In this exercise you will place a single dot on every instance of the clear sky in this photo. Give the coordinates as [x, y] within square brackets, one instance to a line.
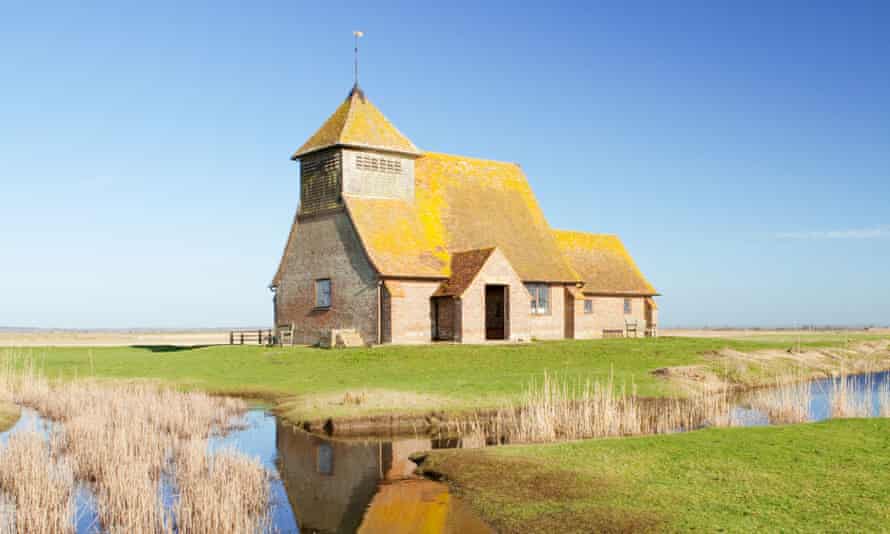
[740, 149]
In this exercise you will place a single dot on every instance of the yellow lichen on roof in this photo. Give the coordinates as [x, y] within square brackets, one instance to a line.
[602, 263]
[397, 241]
[460, 204]
[358, 122]
[484, 203]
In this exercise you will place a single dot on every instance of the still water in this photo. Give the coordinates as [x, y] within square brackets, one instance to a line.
[329, 485]
[864, 388]
[326, 485]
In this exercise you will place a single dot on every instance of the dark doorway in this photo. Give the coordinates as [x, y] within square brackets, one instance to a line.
[569, 314]
[495, 312]
[443, 319]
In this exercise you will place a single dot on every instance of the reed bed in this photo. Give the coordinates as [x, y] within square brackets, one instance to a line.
[555, 410]
[39, 488]
[132, 444]
[854, 396]
[226, 492]
[884, 399]
[786, 403]
[563, 411]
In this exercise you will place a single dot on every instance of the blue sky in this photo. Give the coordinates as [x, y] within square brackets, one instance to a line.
[740, 149]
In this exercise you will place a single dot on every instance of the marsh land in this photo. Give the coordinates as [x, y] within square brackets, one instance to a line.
[736, 479]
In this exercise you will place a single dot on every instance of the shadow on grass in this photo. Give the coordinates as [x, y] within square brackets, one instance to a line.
[168, 348]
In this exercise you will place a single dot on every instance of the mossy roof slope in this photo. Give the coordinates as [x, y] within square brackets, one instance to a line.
[358, 123]
[603, 263]
[460, 204]
[464, 268]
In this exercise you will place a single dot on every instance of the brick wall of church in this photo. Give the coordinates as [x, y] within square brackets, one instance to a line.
[549, 325]
[326, 246]
[410, 313]
[608, 314]
[496, 271]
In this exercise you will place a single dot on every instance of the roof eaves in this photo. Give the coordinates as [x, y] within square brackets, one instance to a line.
[302, 153]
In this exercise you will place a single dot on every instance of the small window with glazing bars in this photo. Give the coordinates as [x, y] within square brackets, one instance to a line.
[540, 298]
[323, 293]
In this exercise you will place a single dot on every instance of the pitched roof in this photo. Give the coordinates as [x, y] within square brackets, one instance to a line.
[464, 268]
[603, 263]
[460, 203]
[358, 123]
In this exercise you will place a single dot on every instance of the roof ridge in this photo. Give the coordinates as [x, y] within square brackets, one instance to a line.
[581, 232]
[461, 156]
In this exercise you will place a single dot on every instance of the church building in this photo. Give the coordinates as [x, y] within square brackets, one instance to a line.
[392, 244]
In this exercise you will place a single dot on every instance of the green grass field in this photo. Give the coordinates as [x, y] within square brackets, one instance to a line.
[425, 377]
[823, 477]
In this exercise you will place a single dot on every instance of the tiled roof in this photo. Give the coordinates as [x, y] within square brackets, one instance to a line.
[603, 264]
[464, 268]
[358, 123]
[460, 204]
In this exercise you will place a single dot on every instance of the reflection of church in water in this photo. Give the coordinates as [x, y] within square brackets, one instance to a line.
[344, 486]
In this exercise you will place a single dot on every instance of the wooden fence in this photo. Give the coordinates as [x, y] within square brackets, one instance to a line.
[251, 337]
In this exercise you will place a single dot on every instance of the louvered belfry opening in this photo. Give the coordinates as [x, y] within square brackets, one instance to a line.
[320, 179]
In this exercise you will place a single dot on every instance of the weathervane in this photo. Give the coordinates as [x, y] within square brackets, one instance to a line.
[357, 34]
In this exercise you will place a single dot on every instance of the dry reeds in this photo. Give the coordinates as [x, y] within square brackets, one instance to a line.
[39, 487]
[787, 403]
[131, 442]
[560, 411]
[225, 492]
[859, 396]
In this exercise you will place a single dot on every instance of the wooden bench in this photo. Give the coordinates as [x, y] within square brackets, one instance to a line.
[613, 332]
[631, 327]
[285, 334]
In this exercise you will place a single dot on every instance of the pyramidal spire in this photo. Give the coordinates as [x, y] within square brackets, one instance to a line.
[358, 123]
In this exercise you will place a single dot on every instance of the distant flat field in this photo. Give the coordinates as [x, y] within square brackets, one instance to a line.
[777, 336]
[111, 338]
[190, 338]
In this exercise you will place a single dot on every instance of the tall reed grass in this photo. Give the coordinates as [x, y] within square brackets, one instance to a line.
[225, 492]
[555, 410]
[132, 444]
[855, 396]
[786, 403]
[39, 487]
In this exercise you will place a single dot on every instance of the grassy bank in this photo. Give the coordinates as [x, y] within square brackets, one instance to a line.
[403, 379]
[813, 477]
[9, 414]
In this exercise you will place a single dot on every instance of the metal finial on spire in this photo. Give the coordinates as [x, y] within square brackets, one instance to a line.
[357, 34]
